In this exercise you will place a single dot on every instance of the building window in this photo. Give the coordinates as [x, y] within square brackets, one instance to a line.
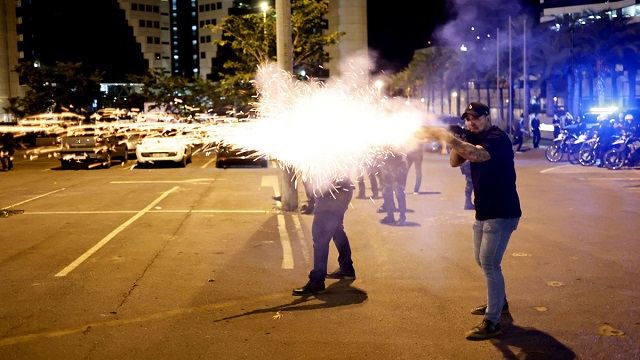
[158, 56]
[149, 23]
[208, 38]
[134, 7]
[141, 23]
[203, 55]
[219, 5]
[156, 9]
[156, 40]
[156, 24]
[149, 40]
[149, 8]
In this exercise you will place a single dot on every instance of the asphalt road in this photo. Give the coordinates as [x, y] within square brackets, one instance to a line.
[199, 263]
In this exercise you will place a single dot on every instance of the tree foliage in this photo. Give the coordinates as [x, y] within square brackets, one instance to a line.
[560, 55]
[252, 40]
[162, 90]
[66, 86]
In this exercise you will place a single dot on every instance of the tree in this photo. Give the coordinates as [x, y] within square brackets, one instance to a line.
[601, 41]
[550, 60]
[162, 90]
[252, 40]
[66, 86]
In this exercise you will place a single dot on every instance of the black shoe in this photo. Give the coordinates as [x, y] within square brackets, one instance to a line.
[388, 220]
[305, 209]
[381, 210]
[310, 288]
[485, 330]
[277, 198]
[342, 274]
[482, 309]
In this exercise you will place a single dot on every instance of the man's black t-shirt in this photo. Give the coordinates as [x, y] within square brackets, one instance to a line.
[494, 180]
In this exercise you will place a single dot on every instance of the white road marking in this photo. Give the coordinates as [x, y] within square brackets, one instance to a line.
[207, 163]
[151, 211]
[34, 198]
[165, 181]
[301, 238]
[555, 168]
[272, 180]
[111, 235]
[287, 254]
[609, 179]
[285, 242]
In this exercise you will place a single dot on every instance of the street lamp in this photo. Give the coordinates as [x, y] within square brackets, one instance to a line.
[379, 84]
[265, 6]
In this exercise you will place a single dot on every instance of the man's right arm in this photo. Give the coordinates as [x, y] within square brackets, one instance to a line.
[463, 149]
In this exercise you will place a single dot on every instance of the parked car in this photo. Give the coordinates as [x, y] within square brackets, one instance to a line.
[89, 144]
[167, 146]
[229, 156]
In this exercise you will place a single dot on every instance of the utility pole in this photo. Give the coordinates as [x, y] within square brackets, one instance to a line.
[525, 96]
[498, 102]
[284, 56]
[510, 114]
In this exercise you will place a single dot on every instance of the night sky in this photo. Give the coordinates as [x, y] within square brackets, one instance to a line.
[395, 32]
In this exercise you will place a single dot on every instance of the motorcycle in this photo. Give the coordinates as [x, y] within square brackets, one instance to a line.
[624, 153]
[591, 150]
[565, 143]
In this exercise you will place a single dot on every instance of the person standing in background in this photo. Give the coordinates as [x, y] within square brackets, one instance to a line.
[465, 169]
[535, 131]
[414, 157]
[7, 151]
[332, 202]
[393, 173]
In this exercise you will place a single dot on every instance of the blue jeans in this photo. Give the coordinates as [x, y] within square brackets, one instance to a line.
[328, 224]
[416, 160]
[490, 239]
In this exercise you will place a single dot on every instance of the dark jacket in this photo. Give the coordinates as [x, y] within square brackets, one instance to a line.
[8, 144]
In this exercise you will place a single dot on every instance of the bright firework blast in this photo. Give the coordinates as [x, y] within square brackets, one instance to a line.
[326, 130]
[323, 131]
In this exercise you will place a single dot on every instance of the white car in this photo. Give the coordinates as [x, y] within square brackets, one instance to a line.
[168, 146]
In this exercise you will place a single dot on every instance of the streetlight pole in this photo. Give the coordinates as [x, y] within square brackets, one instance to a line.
[265, 6]
[284, 54]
